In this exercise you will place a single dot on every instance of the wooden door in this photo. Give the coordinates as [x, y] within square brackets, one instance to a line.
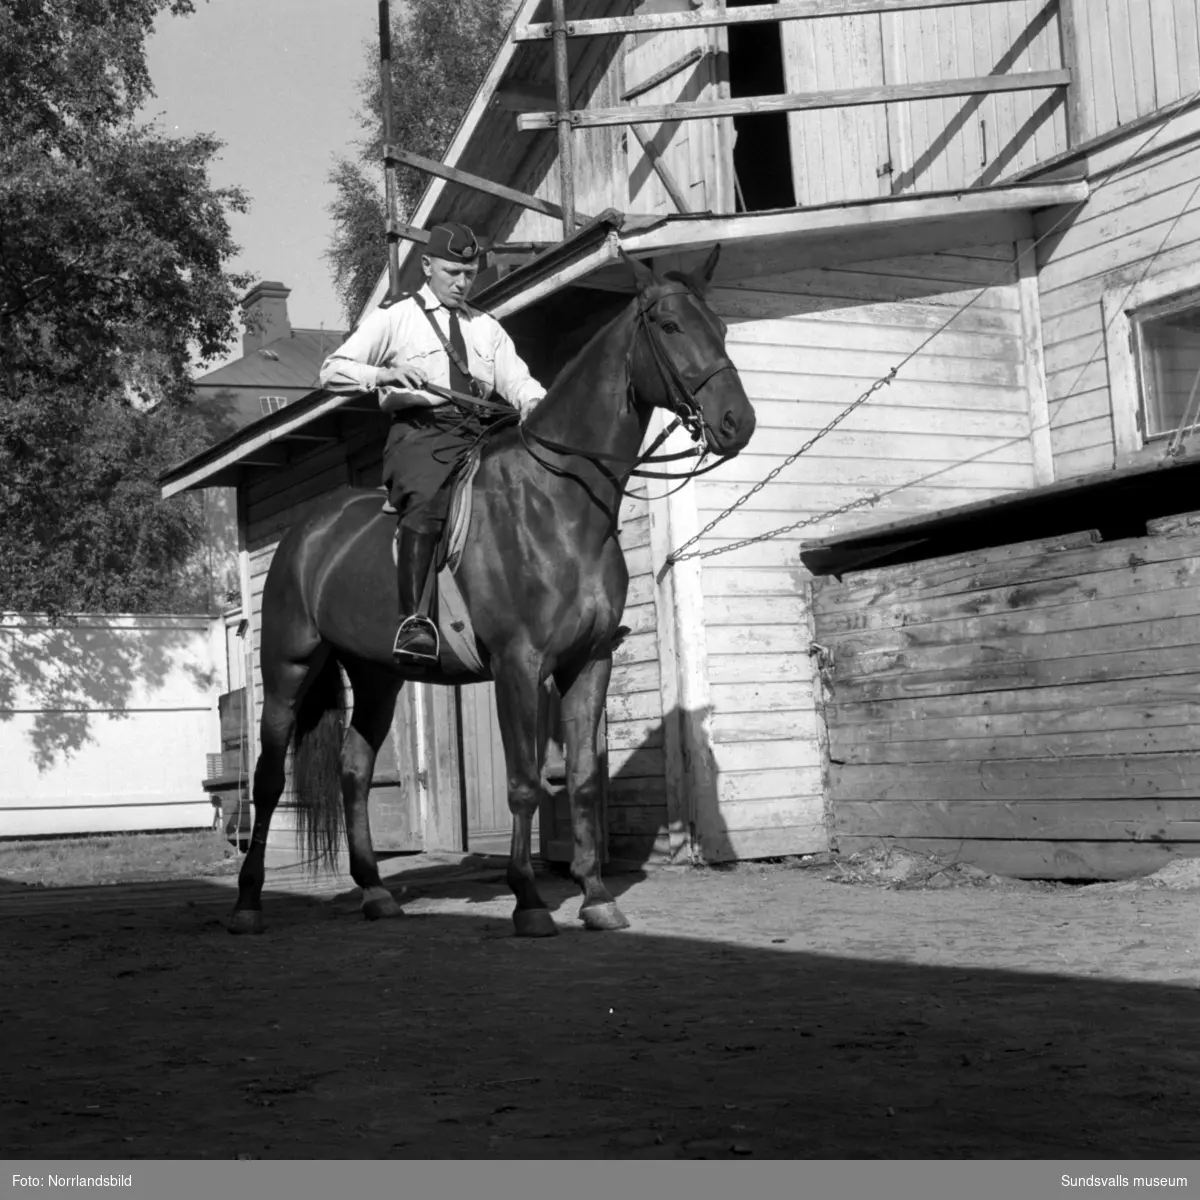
[487, 819]
[837, 154]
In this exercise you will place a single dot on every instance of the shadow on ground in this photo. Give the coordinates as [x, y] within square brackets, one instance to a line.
[755, 1015]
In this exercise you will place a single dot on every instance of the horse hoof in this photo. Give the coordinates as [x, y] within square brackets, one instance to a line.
[381, 908]
[534, 922]
[603, 916]
[246, 920]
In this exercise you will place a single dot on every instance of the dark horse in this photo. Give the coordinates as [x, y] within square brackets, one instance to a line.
[544, 580]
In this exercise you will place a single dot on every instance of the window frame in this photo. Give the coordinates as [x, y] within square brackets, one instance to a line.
[1125, 310]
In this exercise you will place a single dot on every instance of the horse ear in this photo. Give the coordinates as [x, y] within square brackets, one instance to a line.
[642, 274]
[699, 280]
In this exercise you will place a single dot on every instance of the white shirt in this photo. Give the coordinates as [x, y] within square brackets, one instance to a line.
[401, 333]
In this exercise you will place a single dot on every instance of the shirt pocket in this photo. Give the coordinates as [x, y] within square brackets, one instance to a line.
[424, 356]
[483, 366]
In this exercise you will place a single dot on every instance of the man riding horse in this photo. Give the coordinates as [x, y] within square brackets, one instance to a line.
[430, 336]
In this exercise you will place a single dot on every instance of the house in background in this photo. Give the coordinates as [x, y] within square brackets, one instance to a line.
[279, 364]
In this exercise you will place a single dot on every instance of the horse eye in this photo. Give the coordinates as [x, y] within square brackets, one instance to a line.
[670, 327]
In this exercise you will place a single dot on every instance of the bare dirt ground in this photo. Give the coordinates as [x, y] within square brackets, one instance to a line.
[875, 1008]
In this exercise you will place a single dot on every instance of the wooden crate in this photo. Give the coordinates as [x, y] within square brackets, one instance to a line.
[1033, 709]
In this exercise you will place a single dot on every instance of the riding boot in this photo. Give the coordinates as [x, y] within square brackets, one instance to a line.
[417, 637]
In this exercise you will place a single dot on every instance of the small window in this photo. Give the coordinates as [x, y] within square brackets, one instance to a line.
[270, 404]
[1167, 346]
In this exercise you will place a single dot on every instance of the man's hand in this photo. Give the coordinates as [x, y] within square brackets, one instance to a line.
[405, 375]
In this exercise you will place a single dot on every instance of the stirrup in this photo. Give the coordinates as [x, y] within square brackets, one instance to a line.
[413, 626]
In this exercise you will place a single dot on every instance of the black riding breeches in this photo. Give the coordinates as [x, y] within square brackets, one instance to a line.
[424, 447]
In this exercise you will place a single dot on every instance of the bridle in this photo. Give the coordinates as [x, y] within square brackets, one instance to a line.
[681, 388]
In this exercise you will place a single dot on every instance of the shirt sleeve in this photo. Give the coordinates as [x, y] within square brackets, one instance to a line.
[513, 380]
[354, 365]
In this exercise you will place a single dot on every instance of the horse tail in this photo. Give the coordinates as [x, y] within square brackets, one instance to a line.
[316, 766]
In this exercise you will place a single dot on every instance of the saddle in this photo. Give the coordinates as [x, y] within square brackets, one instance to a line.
[458, 648]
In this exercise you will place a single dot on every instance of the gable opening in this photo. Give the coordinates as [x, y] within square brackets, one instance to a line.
[762, 157]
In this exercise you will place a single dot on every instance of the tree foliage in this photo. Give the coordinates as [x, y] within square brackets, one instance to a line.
[113, 245]
[440, 54]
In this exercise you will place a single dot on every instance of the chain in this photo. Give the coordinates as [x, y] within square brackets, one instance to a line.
[680, 554]
[861, 502]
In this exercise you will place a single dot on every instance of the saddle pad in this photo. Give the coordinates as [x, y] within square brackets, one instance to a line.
[454, 625]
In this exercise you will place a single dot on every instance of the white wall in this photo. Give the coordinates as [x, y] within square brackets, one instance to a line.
[105, 722]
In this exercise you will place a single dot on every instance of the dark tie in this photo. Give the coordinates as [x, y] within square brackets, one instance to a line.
[460, 381]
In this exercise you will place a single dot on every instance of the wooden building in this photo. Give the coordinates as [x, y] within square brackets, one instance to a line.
[943, 205]
[1019, 687]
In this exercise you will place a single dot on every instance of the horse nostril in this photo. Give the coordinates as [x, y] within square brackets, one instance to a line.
[729, 423]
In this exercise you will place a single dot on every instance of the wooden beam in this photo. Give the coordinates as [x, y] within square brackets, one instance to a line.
[662, 170]
[432, 167]
[391, 200]
[410, 233]
[786, 10]
[562, 118]
[521, 96]
[268, 456]
[1068, 34]
[695, 55]
[655, 114]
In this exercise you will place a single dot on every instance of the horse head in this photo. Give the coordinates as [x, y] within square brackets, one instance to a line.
[678, 359]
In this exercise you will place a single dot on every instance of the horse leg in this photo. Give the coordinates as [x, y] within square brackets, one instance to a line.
[582, 705]
[278, 721]
[519, 697]
[374, 707]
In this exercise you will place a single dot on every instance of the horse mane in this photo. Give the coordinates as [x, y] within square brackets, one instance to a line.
[574, 364]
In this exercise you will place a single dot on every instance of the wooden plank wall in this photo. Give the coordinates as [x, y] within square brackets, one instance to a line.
[1133, 57]
[954, 427]
[687, 148]
[1138, 223]
[1033, 708]
[636, 807]
[927, 145]
[968, 140]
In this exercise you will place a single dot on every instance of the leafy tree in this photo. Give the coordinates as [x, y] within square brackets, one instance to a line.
[440, 54]
[113, 244]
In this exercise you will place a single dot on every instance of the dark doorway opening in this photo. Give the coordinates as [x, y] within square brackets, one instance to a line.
[762, 157]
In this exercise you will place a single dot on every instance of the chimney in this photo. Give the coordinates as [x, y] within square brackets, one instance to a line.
[264, 313]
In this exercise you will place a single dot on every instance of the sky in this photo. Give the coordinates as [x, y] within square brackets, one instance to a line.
[277, 82]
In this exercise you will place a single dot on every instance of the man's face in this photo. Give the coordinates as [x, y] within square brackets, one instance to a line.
[450, 281]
